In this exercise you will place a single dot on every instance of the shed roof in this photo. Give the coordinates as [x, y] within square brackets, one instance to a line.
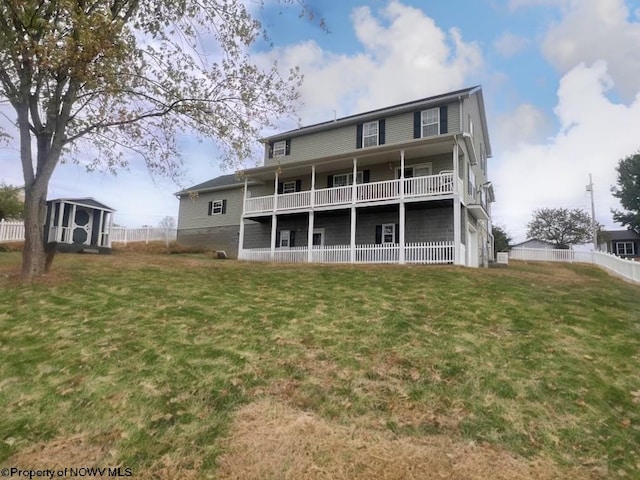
[85, 202]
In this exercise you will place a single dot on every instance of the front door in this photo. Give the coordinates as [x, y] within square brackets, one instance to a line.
[82, 226]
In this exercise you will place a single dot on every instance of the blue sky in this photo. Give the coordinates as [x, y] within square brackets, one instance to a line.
[561, 81]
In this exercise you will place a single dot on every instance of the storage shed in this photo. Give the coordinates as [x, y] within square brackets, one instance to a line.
[78, 225]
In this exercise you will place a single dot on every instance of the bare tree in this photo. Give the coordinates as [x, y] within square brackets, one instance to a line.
[123, 77]
[561, 226]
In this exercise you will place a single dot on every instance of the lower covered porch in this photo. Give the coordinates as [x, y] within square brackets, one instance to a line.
[423, 234]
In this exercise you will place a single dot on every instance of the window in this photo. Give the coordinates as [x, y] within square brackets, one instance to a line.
[625, 248]
[472, 184]
[421, 170]
[289, 187]
[285, 239]
[344, 179]
[280, 148]
[217, 207]
[431, 122]
[370, 134]
[318, 237]
[388, 233]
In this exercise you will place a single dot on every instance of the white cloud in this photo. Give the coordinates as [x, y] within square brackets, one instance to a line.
[510, 44]
[594, 134]
[404, 56]
[594, 30]
[525, 124]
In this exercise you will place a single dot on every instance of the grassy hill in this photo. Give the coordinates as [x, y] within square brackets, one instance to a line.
[181, 366]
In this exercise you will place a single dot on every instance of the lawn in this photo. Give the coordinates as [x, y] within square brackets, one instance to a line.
[182, 366]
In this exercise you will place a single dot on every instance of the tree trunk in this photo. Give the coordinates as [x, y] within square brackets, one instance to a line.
[34, 256]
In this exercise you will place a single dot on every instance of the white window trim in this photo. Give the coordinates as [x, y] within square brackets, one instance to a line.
[216, 205]
[376, 136]
[626, 250]
[287, 186]
[393, 234]
[280, 148]
[423, 121]
[428, 165]
[282, 237]
[349, 178]
[321, 232]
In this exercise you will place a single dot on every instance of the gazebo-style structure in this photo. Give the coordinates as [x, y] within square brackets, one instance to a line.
[78, 225]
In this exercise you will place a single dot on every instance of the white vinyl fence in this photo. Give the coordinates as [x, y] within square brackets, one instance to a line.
[627, 269]
[14, 232]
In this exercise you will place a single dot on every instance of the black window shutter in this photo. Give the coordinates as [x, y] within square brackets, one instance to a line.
[224, 206]
[280, 188]
[365, 176]
[359, 136]
[417, 124]
[444, 120]
[298, 185]
[329, 181]
[271, 150]
[397, 233]
[378, 234]
[288, 147]
[210, 208]
[292, 238]
[278, 238]
[381, 132]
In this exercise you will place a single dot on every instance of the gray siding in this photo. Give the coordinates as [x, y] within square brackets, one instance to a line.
[193, 212]
[342, 140]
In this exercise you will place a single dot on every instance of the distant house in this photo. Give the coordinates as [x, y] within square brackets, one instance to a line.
[78, 225]
[623, 243]
[403, 184]
[534, 243]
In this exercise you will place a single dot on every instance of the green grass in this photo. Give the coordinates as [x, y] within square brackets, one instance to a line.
[150, 356]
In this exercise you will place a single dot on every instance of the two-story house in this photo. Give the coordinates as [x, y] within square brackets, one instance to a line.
[402, 184]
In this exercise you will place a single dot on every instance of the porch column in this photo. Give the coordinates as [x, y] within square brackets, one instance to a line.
[354, 186]
[401, 253]
[60, 215]
[110, 228]
[274, 217]
[457, 237]
[241, 233]
[310, 238]
[72, 222]
[100, 228]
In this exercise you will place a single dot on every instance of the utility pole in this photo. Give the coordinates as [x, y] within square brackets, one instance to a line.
[594, 225]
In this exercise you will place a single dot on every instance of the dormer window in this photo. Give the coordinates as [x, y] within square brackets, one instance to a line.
[280, 148]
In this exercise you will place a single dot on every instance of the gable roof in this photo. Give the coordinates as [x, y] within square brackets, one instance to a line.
[373, 114]
[85, 202]
[219, 183]
[533, 240]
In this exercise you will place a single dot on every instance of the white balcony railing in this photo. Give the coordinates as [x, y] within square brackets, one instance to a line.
[425, 186]
[421, 252]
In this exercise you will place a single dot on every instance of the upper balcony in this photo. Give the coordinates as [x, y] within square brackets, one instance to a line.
[423, 187]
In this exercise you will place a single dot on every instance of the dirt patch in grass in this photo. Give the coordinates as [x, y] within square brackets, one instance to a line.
[74, 451]
[272, 440]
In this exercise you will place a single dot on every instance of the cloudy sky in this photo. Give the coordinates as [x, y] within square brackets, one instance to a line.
[561, 81]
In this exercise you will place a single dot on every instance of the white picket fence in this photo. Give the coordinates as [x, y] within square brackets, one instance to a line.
[627, 269]
[425, 252]
[13, 231]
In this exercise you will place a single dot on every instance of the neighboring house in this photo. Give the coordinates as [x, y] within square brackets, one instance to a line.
[78, 225]
[403, 184]
[623, 243]
[534, 243]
